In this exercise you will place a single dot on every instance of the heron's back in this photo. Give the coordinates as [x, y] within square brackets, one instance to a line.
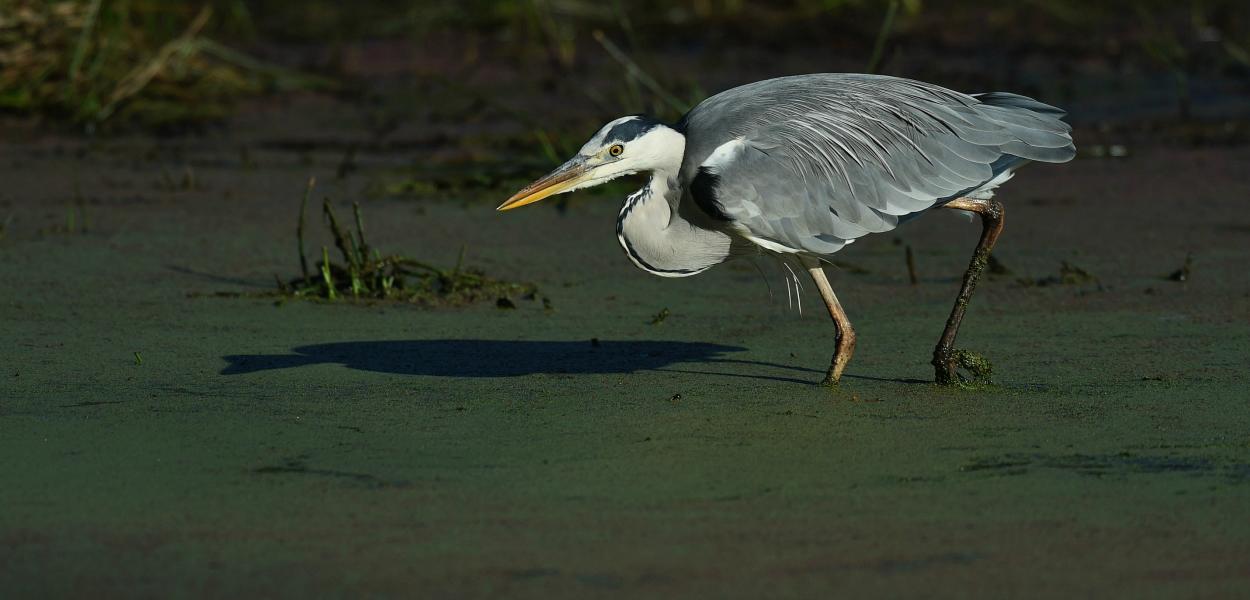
[811, 162]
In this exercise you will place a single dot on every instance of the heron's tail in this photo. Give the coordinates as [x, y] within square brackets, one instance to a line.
[1007, 99]
[1040, 132]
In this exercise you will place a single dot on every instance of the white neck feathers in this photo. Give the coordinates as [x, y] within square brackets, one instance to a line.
[657, 240]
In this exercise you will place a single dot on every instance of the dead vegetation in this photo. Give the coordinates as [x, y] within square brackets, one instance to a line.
[1183, 274]
[365, 274]
[97, 61]
[1069, 274]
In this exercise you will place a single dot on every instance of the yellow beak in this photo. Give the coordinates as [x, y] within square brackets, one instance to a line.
[560, 180]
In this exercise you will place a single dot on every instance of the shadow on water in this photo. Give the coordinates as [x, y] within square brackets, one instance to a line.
[503, 358]
[215, 278]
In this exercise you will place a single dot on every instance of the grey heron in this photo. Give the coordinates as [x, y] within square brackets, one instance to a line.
[799, 167]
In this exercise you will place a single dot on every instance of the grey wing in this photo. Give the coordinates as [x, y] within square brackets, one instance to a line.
[812, 162]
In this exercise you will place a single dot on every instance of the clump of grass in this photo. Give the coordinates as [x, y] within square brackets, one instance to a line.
[365, 274]
[977, 365]
[77, 221]
[1069, 274]
[175, 182]
[91, 61]
[1182, 274]
[996, 267]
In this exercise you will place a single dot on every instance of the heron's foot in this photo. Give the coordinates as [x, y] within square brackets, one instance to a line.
[946, 364]
[944, 367]
[838, 363]
[831, 380]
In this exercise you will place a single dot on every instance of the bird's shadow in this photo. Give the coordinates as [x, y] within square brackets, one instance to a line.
[505, 358]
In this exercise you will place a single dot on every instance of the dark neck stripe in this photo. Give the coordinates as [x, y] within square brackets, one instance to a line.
[633, 201]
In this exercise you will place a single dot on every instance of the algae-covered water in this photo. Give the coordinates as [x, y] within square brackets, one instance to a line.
[156, 437]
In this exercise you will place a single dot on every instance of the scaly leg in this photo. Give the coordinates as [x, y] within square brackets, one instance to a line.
[991, 213]
[845, 340]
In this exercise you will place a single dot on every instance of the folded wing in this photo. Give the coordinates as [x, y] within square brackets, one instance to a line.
[809, 163]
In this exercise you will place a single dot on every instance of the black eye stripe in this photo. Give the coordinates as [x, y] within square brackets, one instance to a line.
[632, 129]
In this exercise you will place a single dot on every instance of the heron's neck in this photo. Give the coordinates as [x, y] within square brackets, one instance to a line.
[658, 240]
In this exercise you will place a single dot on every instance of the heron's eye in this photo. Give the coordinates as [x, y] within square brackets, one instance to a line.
[616, 149]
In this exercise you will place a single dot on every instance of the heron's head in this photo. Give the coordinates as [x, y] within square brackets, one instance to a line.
[625, 146]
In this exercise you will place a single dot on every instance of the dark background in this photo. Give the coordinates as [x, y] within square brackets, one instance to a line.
[1110, 62]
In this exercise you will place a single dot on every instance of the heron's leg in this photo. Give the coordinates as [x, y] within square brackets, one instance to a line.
[991, 212]
[845, 340]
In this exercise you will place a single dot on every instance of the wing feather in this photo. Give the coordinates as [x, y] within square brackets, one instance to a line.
[829, 158]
